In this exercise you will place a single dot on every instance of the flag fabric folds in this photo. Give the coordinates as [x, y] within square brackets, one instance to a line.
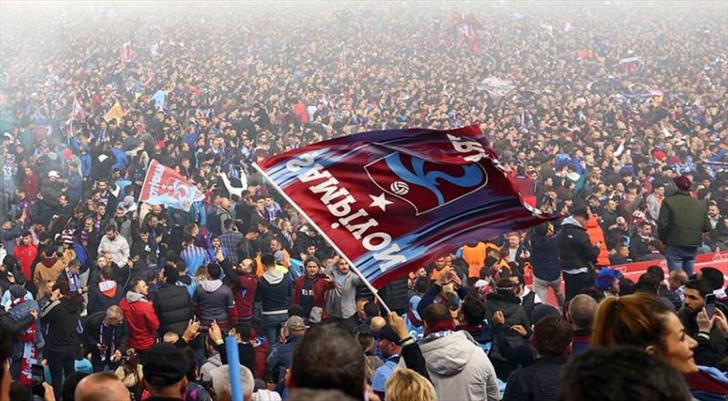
[126, 52]
[115, 112]
[393, 201]
[495, 86]
[78, 113]
[165, 186]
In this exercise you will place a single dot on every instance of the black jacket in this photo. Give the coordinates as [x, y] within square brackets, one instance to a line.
[514, 314]
[62, 325]
[173, 306]
[537, 382]
[395, 296]
[280, 359]
[544, 256]
[92, 333]
[99, 301]
[575, 249]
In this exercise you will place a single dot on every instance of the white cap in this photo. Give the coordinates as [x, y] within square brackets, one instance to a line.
[53, 174]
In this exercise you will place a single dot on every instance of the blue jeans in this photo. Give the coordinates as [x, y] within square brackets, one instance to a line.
[271, 325]
[681, 257]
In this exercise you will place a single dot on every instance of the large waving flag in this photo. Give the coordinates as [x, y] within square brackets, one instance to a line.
[116, 112]
[165, 186]
[393, 201]
[495, 86]
[126, 52]
[78, 113]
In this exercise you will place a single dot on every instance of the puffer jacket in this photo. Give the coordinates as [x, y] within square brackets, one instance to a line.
[459, 369]
[173, 306]
[119, 248]
[214, 301]
[575, 249]
[683, 220]
[141, 321]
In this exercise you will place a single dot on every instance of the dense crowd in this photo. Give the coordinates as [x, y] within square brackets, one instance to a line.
[613, 117]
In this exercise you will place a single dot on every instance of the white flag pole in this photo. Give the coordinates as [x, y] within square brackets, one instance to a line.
[323, 234]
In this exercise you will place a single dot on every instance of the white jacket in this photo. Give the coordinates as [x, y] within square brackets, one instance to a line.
[459, 369]
[118, 247]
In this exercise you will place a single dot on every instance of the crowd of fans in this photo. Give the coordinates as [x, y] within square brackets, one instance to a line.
[615, 118]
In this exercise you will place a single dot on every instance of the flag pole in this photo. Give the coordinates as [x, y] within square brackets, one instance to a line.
[326, 237]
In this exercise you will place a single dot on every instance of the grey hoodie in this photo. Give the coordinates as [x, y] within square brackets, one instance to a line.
[213, 301]
[459, 369]
[132, 297]
[273, 276]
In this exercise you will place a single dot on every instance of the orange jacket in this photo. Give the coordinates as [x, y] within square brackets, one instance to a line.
[595, 233]
[475, 257]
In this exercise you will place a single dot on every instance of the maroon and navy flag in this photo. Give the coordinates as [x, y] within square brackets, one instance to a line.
[126, 52]
[393, 201]
[166, 186]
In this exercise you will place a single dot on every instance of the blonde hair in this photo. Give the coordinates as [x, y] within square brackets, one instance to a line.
[406, 385]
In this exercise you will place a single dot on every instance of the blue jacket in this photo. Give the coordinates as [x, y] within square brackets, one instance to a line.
[280, 359]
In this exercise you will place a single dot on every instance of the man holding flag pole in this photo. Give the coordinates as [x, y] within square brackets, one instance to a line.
[392, 201]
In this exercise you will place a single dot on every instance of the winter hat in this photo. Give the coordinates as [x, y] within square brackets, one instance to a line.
[606, 277]
[67, 237]
[166, 365]
[683, 182]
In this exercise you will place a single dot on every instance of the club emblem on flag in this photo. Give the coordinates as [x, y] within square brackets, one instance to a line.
[423, 184]
[392, 201]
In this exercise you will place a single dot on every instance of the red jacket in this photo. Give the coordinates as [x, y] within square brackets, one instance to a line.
[141, 320]
[320, 286]
[26, 255]
[244, 287]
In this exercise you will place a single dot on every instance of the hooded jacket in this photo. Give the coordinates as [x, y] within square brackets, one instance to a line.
[173, 306]
[103, 295]
[214, 301]
[575, 249]
[47, 269]
[459, 369]
[141, 320]
[274, 292]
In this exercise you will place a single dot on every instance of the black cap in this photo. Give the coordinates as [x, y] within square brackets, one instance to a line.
[166, 365]
[388, 333]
